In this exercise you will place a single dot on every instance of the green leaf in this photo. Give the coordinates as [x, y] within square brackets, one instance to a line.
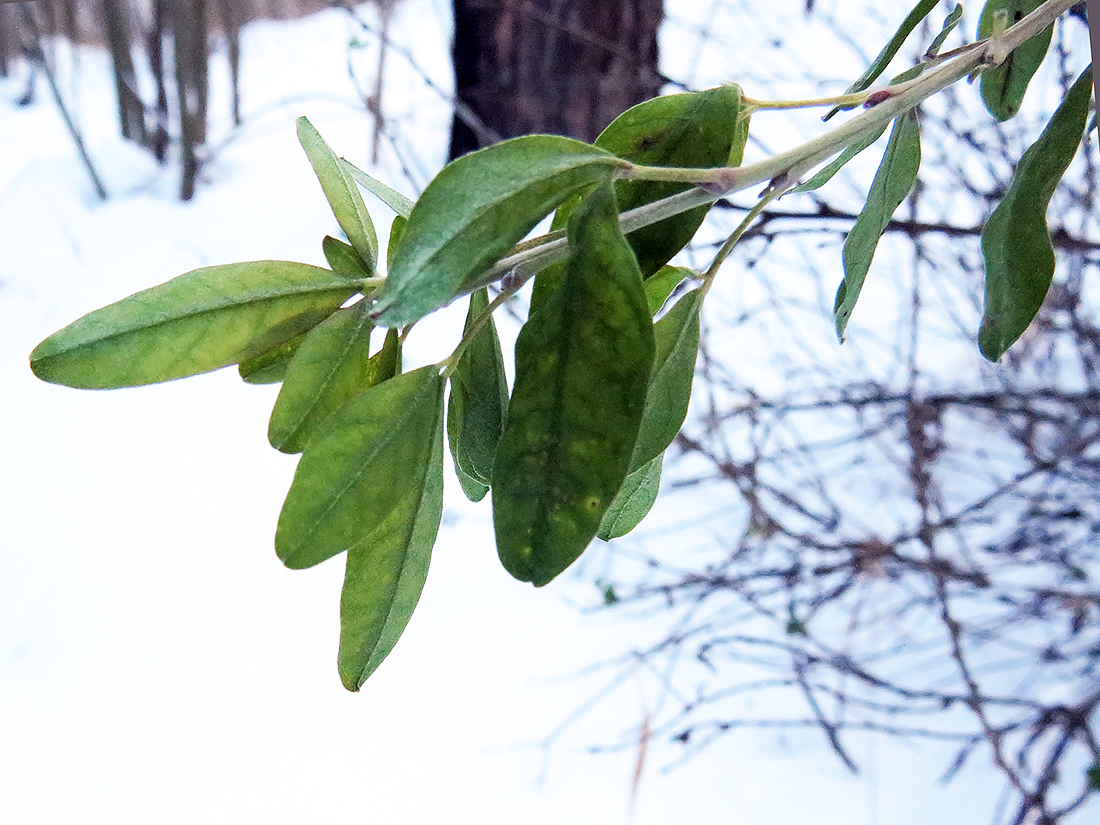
[388, 195]
[1016, 245]
[332, 365]
[893, 180]
[950, 22]
[633, 501]
[475, 211]
[676, 337]
[397, 229]
[386, 572]
[341, 193]
[582, 367]
[826, 174]
[200, 321]
[478, 402]
[343, 258]
[694, 130]
[1093, 776]
[361, 469]
[1003, 87]
[270, 367]
[663, 283]
[889, 51]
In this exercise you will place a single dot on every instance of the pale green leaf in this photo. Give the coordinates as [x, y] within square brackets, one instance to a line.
[365, 464]
[386, 572]
[474, 212]
[387, 194]
[200, 321]
[633, 502]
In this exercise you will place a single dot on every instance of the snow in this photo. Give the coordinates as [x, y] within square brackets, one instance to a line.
[157, 662]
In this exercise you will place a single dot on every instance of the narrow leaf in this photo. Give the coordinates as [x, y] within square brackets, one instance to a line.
[582, 367]
[341, 193]
[343, 258]
[200, 321]
[270, 367]
[397, 229]
[361, 469]
[889, 51]
[332, 365]
[663, 283]
[1003, 87]
[826, 174]
[387, 194]
[386, 572]
[478, 402]
[474, 212]
[893, 180]
[676, 338]
[1016, 245]
[634, 501]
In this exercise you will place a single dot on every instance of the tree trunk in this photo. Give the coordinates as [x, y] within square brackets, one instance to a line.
[565, 67]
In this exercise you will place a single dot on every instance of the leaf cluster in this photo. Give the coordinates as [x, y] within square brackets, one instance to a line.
[603, 365]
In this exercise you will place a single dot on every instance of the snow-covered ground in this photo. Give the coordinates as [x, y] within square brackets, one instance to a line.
[157, 662]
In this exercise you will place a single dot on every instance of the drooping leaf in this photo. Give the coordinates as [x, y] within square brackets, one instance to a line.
[477, 404]
[582, 367]
[386, 572]
[633, 502]
[343, 258]
[893, 180]
[475, 210]
[270, 367]
[200, 321]
[889, 51]
[676, 337]
[342, 194]
[332, 365]
[1003, 87]
[1016, 245]
[361, 469]
[387, 194]
[663, 283]
[694, 130]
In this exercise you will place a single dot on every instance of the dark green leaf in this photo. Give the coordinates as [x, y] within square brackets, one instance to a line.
[388, 195]
[1093, 775]
[663, 283]
[478, 402]
[362, 469]
[342, 194]
[270, 367]
[1016, 245]
[331, 366]
[200, 321]
[893, 180]
[949, 24]
[582, 367]
[633, 501]
[386, 572]
[677, 343]
[879, 64]
[343, 258]
[694, 130]
[1003, 87]
[475, 211]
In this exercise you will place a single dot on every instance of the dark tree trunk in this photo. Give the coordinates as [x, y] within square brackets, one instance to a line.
[188, 22]
[131, 111]
[564, 67]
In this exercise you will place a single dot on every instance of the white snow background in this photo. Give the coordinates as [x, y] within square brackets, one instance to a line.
[158, 664]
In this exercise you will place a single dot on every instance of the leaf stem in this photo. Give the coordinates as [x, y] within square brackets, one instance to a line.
[450, 364]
